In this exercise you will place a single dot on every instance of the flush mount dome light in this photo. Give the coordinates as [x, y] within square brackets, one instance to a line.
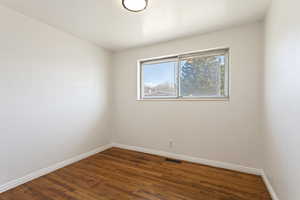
[135, 5]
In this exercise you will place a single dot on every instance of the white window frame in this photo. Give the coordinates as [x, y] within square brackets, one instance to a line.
[178, 57]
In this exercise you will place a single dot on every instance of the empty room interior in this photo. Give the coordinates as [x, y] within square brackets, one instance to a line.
[149, 100]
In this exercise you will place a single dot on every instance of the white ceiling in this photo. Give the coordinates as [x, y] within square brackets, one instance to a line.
[106, 23]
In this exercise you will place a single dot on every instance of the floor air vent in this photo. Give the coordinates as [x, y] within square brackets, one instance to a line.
[173, 160]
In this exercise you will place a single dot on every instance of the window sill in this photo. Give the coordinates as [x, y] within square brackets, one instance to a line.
[225, 99]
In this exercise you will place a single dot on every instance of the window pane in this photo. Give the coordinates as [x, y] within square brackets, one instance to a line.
[159, 79]
[203, 77]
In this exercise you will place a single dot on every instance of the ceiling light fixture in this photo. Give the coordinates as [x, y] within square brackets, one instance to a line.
[135, 5]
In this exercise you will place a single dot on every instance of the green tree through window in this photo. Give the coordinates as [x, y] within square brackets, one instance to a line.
[202, 76]
[195, 75]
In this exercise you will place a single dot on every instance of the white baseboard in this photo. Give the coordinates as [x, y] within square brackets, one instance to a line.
[224, 165]
[269, 186]
[213, 163]
[44, 171]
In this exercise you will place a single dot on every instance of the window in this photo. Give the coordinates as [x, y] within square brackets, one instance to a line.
[201, 75]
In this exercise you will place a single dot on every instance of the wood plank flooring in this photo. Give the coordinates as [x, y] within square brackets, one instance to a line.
[118, 174]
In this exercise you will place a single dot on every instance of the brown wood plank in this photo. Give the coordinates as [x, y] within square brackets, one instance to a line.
[118, 174]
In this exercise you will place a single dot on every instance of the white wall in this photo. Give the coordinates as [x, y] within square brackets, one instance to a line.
[282, 98]
[54, 96]
[55, 99]
[222, 131]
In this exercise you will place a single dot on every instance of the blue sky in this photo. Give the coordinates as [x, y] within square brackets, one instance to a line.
[155, 74]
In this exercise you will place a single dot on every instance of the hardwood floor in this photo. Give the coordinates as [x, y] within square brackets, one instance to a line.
[118, 174]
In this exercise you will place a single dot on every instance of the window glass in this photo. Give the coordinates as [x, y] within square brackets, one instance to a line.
[159, 79]
[195, 75]
[202, 76]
